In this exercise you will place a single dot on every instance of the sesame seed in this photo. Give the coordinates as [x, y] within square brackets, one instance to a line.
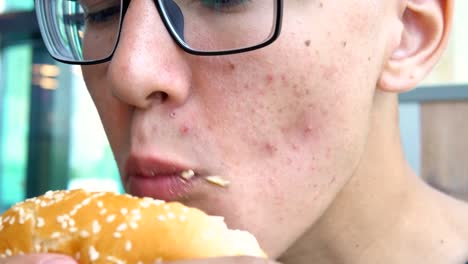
[124, 211]
[122, 227]
[37, 248]
[128, 245]
[99, 194]
[166, 207]
[133, 225]
[161, 218]
[100, 204]
[55, 235]
[145, 204]
[96, 227]
[115, 260]
[171, 215]
[8, 252]
[103, 211]
[147, 199]
[117, 235]
[93, 254]
[158, 202]
[110, 218]
[73, 229]
[86, 201]
[182, 218]
[135, 212]
[84, 234]
[12, 220]
[185, 210]
[136, 217]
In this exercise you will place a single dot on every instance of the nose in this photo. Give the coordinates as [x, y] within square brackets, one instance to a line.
[148, 67]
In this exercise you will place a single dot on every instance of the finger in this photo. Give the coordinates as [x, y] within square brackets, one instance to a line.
[226, 260]
[38, 259]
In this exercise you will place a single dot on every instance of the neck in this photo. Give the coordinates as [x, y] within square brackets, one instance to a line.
[385, 213]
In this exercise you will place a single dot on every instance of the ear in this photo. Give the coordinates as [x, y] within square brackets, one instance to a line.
[423, 37]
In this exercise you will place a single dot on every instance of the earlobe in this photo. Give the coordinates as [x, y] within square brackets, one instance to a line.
[422, 40]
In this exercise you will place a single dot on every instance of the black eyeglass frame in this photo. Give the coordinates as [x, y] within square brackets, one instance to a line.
[172, 32]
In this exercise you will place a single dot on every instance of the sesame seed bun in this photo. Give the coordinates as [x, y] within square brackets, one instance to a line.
[104, 227]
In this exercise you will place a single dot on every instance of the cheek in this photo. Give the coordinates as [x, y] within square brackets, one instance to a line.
[303, 111]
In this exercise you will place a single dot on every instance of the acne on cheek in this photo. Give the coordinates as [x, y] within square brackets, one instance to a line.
[269, 79]
[184, 129]
[270, 149]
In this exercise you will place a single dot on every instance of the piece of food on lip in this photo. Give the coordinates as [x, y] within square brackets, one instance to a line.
[104, 227]
[218, 180]
[188, 174]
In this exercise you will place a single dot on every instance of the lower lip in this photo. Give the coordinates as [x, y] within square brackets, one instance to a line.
[162, 187]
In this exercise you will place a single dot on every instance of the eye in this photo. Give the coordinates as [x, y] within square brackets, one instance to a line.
[224, 5]
[103, 15]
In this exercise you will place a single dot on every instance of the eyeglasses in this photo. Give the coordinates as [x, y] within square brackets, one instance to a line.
[88, 31]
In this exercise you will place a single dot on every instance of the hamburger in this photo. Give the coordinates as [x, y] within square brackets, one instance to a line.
[105, 227]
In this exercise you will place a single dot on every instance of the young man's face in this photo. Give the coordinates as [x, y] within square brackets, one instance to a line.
[286, 125]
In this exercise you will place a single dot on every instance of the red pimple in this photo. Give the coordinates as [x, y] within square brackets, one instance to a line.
[308, 129]
[184, 130]
[269, 78]
[270, 148]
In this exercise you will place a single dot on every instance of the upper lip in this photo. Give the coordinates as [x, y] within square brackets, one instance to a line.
[146, 166]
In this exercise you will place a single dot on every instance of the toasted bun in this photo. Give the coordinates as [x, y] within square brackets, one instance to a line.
[104, 227]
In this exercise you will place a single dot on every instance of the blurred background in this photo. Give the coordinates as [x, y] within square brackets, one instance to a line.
[51, 136]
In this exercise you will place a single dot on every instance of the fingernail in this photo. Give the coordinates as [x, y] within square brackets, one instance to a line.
[57, 260]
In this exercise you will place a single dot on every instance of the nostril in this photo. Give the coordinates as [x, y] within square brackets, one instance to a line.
[159, 97]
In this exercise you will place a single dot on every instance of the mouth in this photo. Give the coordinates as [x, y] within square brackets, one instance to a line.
[159, 179]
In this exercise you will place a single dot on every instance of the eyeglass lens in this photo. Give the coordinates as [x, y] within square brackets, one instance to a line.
[88, 30]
